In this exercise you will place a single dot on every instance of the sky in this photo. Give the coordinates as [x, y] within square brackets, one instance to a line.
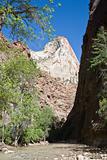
[70, 20]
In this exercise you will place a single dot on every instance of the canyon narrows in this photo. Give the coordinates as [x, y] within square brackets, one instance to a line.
[83, 122]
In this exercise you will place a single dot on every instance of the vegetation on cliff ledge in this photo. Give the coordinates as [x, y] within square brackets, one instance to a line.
[98, 63]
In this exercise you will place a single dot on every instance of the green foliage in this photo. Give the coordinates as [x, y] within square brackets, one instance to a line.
[32, 134]
[15, 79]
[20, 69]
[7, 134]
[40, 126]
[7, 51]
[99, 63]
[46, 118]
[4, 46]
[23, 18]
[19, 100]
[99, 50]
[103, 109]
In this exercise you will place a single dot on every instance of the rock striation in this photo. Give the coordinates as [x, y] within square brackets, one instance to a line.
[83, 118]
[59, 60]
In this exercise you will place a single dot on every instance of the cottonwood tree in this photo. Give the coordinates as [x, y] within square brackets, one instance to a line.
[24, 17]
[19, 100]
[15, 88]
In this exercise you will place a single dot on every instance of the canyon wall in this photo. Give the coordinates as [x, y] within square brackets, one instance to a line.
[83, 119]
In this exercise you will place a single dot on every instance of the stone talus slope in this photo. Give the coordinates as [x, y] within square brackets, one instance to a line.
[83, 116]
[59, 60]
[56, 94]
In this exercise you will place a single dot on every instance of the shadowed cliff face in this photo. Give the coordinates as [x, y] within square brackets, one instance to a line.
[83, 115]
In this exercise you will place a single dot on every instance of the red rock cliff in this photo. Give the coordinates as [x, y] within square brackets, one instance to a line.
[79, 123]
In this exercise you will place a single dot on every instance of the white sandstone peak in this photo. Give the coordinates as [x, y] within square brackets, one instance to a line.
[58, 59]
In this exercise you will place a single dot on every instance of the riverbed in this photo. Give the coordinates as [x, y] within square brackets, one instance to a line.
[55, 152]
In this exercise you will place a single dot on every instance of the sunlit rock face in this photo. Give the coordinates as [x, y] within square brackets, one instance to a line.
[59, 60]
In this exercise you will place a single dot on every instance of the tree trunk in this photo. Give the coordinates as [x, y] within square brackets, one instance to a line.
[16, 141]
[3, 125]
[2, 20]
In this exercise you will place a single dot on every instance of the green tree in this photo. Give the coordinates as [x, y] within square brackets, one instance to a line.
[23, 17]
[17, 88]
[98, 63]
[19, 99]
[99, 50]
[40, 126]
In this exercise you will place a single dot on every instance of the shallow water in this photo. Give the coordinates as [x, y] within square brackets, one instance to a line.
[55, 152]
